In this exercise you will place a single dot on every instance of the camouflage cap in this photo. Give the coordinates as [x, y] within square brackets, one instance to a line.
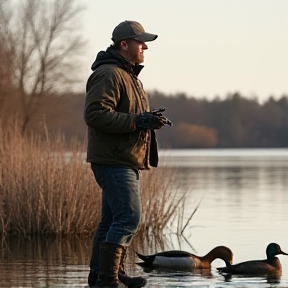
[131, 29]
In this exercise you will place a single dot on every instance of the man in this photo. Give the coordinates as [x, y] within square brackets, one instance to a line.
[121, 143]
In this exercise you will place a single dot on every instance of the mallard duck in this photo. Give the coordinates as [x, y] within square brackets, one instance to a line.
[271, 265]
[185, 261]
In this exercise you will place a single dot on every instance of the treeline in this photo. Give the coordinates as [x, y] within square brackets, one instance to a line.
[232, 122]
[235, 121]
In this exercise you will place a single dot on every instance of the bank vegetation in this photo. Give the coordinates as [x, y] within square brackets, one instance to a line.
[47, 188]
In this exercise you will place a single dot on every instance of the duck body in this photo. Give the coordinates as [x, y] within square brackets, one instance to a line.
[254, 267]
[185, 261]
[268, 266]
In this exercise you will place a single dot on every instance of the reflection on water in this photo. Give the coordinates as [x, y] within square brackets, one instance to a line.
[244, 205]
[43, 262]
[224, 157]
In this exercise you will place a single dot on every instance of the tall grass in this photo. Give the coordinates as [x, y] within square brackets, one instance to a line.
[161, 204]
[40, 191]
[44, 193]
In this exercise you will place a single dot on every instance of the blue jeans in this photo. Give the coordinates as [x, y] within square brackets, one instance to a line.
[121, 206]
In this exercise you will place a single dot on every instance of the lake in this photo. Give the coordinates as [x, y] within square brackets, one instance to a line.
[243, 204]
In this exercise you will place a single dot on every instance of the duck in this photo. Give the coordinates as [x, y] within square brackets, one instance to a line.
[268, 266]
[184, 261]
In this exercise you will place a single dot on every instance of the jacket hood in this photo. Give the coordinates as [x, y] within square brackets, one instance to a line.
[103, 57]
[110, 56]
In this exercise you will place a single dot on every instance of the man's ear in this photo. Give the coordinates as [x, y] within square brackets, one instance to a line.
[124, 45]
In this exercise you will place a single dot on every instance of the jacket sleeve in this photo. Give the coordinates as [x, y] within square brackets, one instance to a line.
[102, 98]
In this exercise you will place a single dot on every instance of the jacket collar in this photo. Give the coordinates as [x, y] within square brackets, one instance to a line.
[132, 68]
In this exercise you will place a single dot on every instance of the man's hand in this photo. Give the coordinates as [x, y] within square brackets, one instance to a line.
[148, 120]
[158, 112]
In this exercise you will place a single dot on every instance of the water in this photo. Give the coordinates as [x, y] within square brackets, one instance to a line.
[243, 196]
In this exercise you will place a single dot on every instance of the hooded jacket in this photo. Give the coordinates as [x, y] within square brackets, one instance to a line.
[114, 96]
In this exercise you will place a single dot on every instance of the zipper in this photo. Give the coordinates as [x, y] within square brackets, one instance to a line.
[139, 89]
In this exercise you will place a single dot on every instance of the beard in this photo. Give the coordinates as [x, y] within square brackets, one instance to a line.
[137, 58]
[140, 59]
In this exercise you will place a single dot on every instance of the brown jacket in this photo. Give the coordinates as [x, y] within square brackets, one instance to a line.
[114, 95]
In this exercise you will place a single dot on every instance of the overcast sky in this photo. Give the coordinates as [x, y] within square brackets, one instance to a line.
[204, 47]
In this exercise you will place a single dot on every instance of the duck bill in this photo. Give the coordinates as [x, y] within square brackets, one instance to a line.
[283, 253]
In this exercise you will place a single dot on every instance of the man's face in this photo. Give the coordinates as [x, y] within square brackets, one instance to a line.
[135, 51]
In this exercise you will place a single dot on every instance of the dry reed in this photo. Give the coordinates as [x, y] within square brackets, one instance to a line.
[46, 191]
[40, 191]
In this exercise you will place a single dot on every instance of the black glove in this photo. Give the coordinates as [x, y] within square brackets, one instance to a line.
[148, 120]
[158, 112]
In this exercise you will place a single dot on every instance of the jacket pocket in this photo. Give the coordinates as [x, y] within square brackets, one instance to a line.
[133, 147]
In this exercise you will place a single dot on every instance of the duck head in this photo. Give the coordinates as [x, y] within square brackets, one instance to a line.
[221, 252]
[274, 249]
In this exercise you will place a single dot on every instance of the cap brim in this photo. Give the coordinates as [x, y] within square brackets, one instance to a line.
[146, 37]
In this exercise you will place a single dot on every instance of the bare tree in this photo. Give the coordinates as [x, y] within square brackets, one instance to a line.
[40, 43]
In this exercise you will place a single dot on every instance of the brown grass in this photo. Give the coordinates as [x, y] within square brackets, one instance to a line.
[40, 191]
[45, 191]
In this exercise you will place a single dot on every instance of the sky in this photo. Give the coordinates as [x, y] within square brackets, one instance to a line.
[205, 48]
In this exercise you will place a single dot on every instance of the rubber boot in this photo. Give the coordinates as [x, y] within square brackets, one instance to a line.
[92, 278]
[94, 262]
[109, 262]
[130, 282]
